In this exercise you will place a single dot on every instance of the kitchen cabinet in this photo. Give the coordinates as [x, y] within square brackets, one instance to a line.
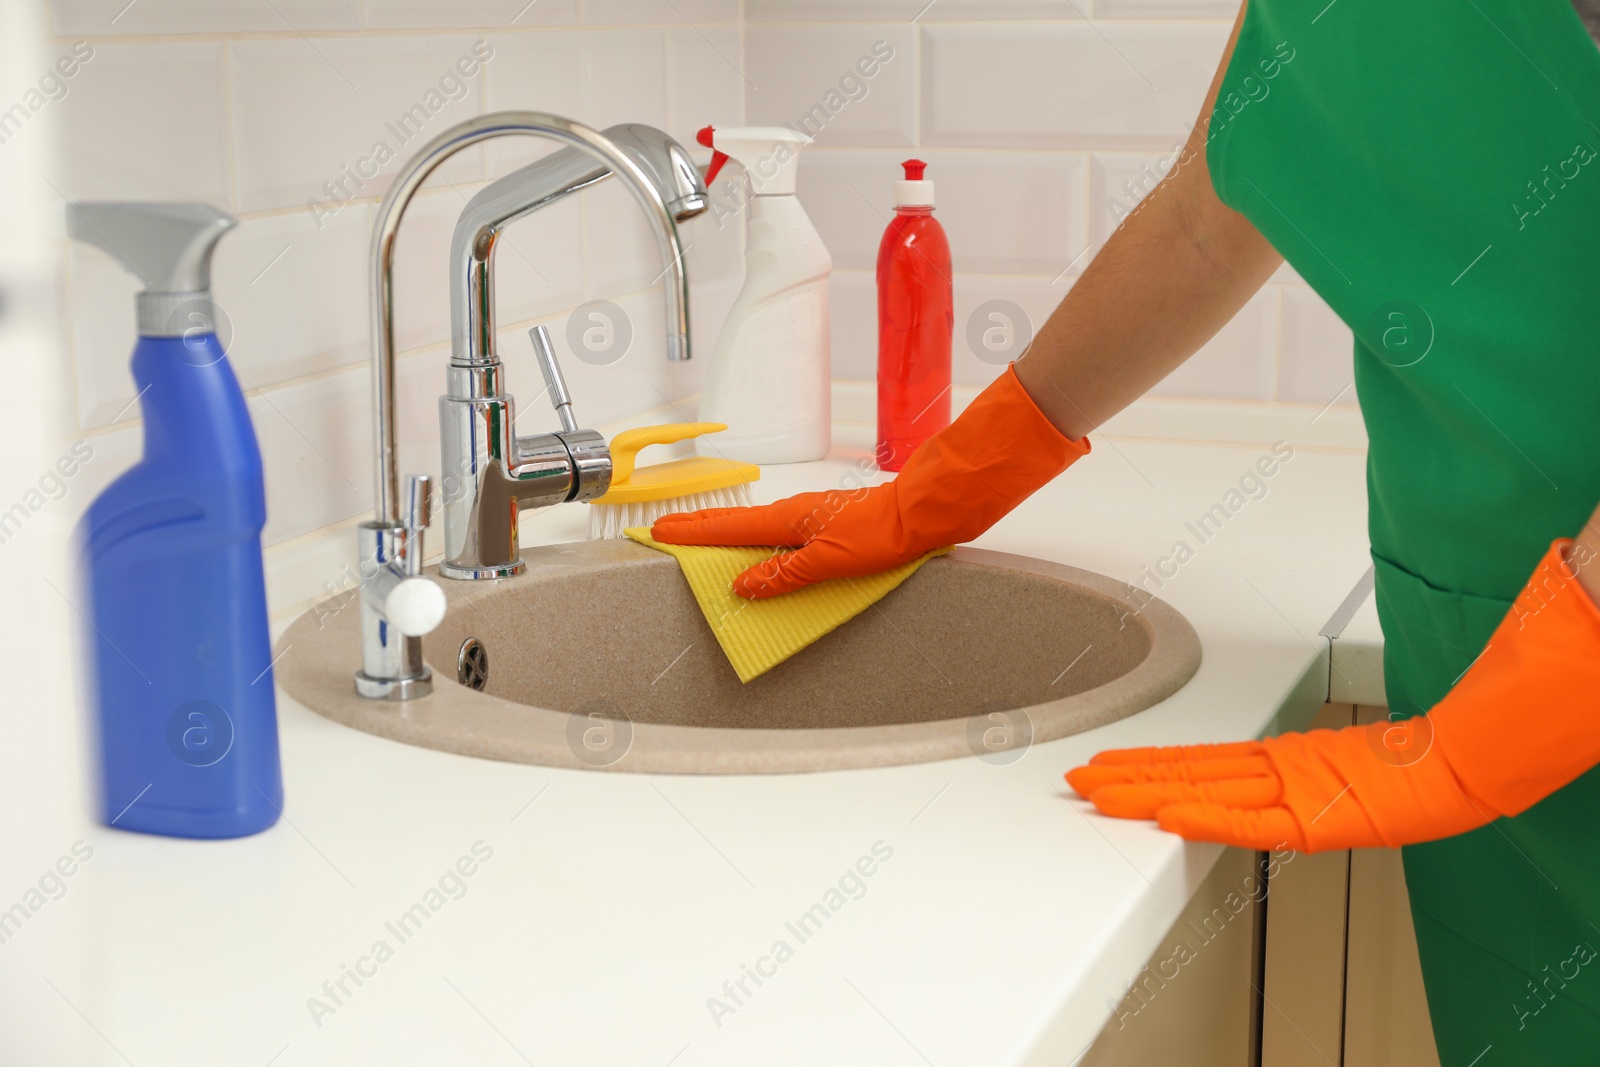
[1343, 986]
[1386, 1011]
[1324, 975]
[1194, 1002]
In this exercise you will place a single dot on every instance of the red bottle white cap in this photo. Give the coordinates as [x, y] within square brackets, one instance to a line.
[914, 190]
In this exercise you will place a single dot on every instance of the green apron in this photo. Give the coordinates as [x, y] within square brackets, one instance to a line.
[1432, 169]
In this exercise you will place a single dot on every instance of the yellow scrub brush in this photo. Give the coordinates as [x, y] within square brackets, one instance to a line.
[640, 495]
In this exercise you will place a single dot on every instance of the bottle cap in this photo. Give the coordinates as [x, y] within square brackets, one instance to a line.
[769, 154]
[914, 190]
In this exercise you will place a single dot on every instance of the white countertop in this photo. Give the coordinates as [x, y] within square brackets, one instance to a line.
[614, 905]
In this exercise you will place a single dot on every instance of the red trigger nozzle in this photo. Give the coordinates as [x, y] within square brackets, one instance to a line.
[717, 158]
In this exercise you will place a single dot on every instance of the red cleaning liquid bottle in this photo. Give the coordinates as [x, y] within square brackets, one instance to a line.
[915, 320]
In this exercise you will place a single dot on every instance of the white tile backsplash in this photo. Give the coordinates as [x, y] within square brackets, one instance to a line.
[995, 318]
[316, 440]
[663, 12]
[100, 303]
[853, 323]
[1318, 351]
[475, 14]
[538, 264]
[295, 296]
[849, 197]
[146, 122]
[620, 246]
[321, 121]
[912, 10]
[1031, 118]
[1005, 213]
[316, 445]
[107, 17]
[705, 82]
[598, 77]
[422, 266]
[1065, 85]
[1166, 9]
[712, 302]
[816, 79]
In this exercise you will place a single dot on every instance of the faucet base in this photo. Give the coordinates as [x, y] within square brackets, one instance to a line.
[394, 688]
[481, 571]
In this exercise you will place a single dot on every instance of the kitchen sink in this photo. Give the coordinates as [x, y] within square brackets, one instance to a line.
[599, 657]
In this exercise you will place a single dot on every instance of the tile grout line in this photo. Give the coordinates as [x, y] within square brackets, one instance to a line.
[367, 33]
[917, 85]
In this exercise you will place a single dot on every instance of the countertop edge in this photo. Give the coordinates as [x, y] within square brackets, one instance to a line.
[1055, 1031]
[1356, 641]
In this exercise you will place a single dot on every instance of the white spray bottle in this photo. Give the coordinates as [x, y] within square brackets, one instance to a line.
[769, 376]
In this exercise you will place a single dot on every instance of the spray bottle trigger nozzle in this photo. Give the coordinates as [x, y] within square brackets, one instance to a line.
[704, 137]
[717, 160]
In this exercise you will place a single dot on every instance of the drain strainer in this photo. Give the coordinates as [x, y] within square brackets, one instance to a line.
[472, 664]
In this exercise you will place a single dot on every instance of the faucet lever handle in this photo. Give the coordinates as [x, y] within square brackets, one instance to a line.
[545, 353]
[417, 512]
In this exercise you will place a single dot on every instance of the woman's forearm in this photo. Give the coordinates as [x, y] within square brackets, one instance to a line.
[1176, 270]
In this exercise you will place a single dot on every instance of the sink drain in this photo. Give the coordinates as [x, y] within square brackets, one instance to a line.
[472, 664]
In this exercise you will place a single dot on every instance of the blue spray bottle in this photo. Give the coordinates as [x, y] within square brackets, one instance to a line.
[179, 656]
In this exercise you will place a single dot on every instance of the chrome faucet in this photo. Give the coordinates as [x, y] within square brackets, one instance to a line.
[672, 175]
[490, 474]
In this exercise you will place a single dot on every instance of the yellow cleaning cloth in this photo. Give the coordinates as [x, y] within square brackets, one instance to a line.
[757, 635]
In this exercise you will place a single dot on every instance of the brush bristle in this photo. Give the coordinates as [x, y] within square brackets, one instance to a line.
[607, 521]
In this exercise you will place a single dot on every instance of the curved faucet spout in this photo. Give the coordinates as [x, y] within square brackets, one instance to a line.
[381, 260]
[673, 179]
[668, 188]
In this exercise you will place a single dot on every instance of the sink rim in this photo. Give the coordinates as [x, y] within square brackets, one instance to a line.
[316, 669]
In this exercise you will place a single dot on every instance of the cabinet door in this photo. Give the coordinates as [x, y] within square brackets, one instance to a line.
[1340, 982]
[1343, 985]
[1302, 1018]
[1194, 1002]
[1386, 1010]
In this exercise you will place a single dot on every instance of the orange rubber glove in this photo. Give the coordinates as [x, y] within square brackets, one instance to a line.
[957, 485]
[1522, 722]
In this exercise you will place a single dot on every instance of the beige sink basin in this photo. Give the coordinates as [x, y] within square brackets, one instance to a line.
[599, 657]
